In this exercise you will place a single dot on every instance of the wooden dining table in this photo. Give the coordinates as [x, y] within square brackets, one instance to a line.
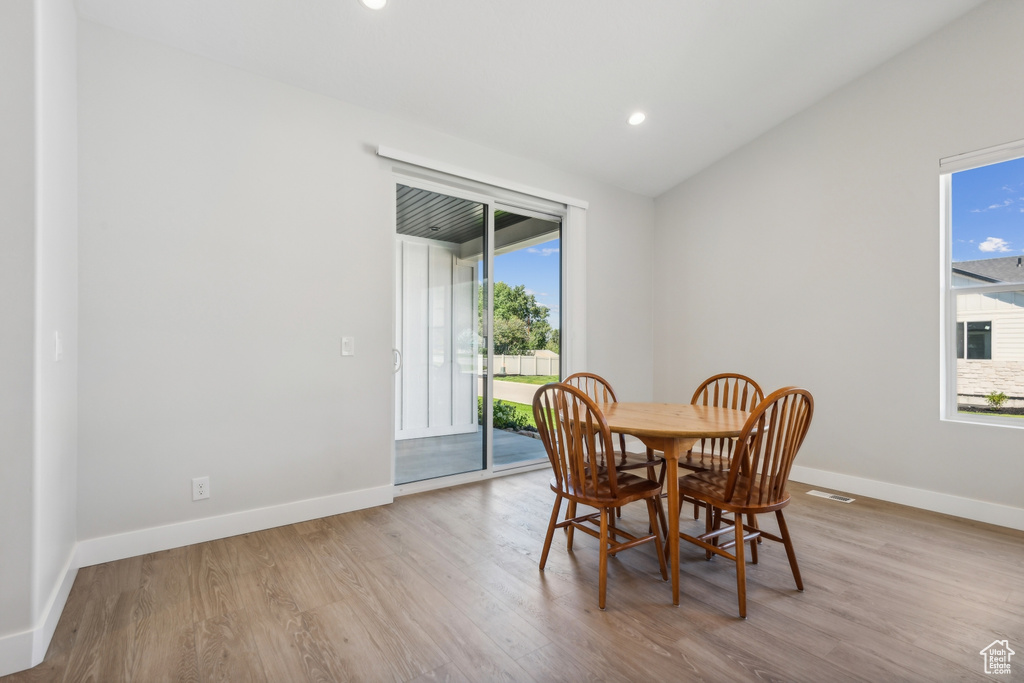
[673, 428]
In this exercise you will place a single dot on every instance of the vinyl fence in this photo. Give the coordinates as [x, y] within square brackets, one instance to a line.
[522, 365]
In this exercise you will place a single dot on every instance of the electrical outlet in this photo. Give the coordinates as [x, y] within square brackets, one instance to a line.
[200, 488]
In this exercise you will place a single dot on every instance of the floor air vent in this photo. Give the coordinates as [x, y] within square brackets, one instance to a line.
[831, 496]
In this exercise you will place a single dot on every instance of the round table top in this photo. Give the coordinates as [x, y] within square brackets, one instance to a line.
[674, 420]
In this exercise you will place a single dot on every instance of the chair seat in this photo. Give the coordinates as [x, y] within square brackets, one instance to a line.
[709, 487]
[630, 486]
[704, 462]
[636, 461]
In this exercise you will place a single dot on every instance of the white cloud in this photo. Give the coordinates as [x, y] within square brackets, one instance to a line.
[547, 251]
[1006, 203]
[994, 244]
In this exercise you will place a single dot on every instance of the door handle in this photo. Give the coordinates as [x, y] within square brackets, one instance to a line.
[398, 360]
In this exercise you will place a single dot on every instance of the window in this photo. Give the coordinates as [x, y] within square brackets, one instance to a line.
[979, 340]
[983, 271]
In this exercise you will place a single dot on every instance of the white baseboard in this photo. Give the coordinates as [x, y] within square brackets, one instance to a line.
[129, 544]
[25, 650]
[16, 652]
[968, 508]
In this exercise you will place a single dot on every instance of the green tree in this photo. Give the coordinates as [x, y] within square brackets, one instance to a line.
[555, 341]
[515, 303]
[539, 334]
[511, 337]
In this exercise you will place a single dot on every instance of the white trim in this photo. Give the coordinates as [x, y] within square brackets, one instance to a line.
[24, 650]
[968, 508]
[947, 310]
[574, 292]
[459, 172]
[16, 652]
[982, 157]
[143, 541]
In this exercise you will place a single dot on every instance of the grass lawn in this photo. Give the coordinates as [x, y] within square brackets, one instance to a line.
[528, 379]
[985, 412]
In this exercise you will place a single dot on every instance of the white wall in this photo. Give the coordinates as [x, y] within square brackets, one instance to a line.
[232, 230]
[17, 312]
[38, 296]
[811, 257]
[55, 475]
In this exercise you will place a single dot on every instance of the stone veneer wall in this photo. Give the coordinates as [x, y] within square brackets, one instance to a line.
[975, 379]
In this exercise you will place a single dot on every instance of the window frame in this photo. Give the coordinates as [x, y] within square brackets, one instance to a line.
[949, 409]
[963, 341]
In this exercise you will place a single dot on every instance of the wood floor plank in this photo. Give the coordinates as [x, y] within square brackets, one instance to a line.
[455, 634]
[495, 619]
[370, 649]
[212, 580]
[226, 650]
[249, 552]
[555, 664]
[358, 537]
[288, 649]
[446, 673]
[99, 650]
[300, 570]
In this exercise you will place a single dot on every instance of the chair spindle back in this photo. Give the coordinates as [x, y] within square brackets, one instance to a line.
[768, 445]
[726, 390]
[576, 437]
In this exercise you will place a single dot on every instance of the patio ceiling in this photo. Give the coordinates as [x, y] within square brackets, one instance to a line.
[422, 213]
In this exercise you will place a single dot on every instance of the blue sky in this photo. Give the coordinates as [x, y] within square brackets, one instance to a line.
[538, 268]
[988, 211]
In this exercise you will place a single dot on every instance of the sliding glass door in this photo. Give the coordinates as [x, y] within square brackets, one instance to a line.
[452, 328]
[527, 329]
[440, 277]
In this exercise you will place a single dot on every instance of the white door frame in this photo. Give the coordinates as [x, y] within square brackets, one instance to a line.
[571, 213]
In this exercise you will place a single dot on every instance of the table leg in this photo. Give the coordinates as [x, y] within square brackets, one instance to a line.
[672, 481]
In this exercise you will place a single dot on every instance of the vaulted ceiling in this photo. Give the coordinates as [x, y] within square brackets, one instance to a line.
[555, 80]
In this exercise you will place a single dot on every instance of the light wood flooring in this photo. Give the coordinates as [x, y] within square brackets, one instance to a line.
[444, 586]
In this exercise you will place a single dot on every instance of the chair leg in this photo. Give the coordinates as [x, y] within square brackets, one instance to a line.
[741, 573]
[713, 519]
[788, 542]
[661, 517]
[551, 531]
[602, 581]
[752, 521]
[652, 505]
[570, 512]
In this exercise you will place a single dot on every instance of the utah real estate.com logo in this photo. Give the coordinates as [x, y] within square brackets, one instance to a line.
[997, 657]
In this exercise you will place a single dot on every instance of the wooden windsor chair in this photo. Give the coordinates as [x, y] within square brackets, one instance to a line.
[576, 437]
[754, 483]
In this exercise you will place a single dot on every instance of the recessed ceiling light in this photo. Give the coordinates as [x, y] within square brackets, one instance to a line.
[374, 4]
[637, 118]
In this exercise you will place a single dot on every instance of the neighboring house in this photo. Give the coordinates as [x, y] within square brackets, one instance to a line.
[990, 331]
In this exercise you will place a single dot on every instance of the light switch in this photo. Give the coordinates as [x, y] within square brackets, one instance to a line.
[348, 346]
